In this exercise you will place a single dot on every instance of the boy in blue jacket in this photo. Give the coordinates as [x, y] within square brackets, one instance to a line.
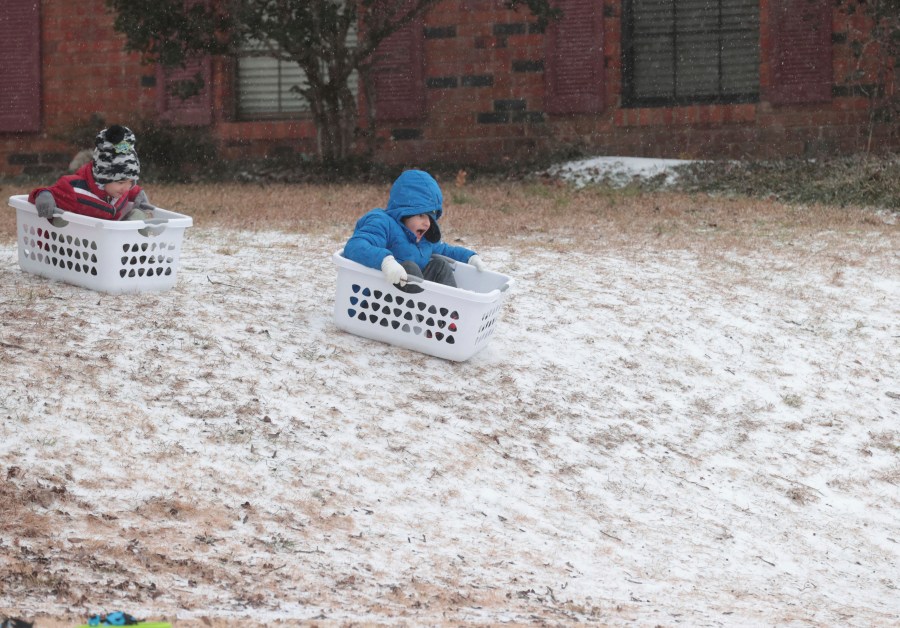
[401, 238]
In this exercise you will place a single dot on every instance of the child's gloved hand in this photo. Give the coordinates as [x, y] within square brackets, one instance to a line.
[393, 271]
[45, 204]
[142, 202]
[477, 263]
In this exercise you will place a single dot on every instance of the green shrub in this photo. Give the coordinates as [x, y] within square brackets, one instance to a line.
[167, 153]
[860, 180]
[170, 153]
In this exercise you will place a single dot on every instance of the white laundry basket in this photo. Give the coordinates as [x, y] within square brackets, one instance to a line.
[104, 255]
[446, 322]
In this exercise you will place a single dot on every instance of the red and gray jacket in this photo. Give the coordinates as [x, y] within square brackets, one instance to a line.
[80, 194]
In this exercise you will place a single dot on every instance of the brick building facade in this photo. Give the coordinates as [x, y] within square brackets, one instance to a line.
[480, 83]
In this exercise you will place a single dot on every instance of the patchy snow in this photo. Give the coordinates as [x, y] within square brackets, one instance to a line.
[617, 171]
[652, 436]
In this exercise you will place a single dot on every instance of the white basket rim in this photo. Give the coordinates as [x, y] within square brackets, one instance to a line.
[174, 219]
[430, 286]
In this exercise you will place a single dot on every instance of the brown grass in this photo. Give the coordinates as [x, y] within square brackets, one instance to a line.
[493, 212]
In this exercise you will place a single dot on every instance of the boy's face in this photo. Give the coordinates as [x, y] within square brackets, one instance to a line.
[418, 224]
[118, 188]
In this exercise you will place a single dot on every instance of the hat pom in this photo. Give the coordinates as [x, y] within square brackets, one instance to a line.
[115, 134]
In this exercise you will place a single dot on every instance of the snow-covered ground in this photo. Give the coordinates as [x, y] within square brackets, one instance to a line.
[617, 171]
[653, 435]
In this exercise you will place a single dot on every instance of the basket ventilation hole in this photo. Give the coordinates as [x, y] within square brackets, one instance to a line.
[432, 310]
[398, 312]
[362, 316]
[355, 288]
[454, 315]
[351, 312]
[364, 305]
[421, 305]
[388, 298]
[450, 340]
[354, 300]
[400, 300]
[378, 294]
[367, 292]
[417, 330]
[395, 324]
[405, 328]
[383, 322]
[373, 318]
[376, 307]
[444, 311]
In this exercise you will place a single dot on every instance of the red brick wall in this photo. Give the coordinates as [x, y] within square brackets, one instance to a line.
[485, 95]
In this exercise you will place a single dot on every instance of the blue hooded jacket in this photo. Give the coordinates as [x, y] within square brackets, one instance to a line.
[380, 232]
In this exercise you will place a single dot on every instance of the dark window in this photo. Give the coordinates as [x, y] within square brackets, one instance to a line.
[690, 52]
[20, 89]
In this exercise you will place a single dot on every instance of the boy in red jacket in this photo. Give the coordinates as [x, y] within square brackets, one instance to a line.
[106, 187]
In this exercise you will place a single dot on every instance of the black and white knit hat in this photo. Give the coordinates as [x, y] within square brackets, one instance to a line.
[114, 156]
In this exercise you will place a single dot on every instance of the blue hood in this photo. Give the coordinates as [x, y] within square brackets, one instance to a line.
[415, 192]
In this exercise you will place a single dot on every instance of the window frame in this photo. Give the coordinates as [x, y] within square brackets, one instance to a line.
[632, 100]
[243, 116]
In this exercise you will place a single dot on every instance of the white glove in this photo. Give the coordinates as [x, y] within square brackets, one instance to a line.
[477, 263]
[45, 204]
[142, 202]
[393, 271]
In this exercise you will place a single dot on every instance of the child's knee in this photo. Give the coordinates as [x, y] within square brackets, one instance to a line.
[136, 214]
[412, 268]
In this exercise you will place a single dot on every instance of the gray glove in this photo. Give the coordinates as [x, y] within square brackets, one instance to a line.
[45, 204]
[142, 202]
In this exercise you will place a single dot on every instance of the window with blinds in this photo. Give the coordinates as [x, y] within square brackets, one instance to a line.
[690, 52]
[266, 86]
